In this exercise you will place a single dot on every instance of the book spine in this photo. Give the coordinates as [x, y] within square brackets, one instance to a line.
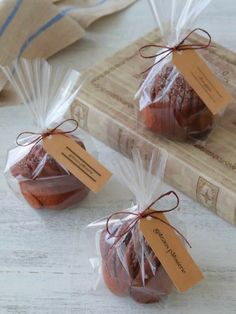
[178, 174]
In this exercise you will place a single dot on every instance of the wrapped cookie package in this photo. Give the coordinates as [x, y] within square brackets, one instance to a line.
[169, 105]
[31, 172]
[125, 261]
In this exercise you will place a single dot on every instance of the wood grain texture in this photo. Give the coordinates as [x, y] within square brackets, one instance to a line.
[43, 255]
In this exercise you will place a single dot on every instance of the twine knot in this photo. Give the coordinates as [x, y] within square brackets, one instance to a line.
[40, 136]
[147, 212]
[179, 47]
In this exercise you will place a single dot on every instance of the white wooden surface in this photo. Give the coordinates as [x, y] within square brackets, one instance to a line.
[43, 255]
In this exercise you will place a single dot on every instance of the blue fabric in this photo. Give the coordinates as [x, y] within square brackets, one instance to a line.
[10, 17]
[50, 23]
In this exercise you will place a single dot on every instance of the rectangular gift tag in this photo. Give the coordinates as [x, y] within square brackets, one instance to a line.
[80, 163]
[167, 246]
[199, 76]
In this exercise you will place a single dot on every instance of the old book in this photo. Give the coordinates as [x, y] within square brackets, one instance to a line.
[107, 109]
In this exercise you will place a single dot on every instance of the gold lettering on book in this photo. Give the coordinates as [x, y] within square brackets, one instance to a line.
[228, 164]
[80, 111]
[207, 193]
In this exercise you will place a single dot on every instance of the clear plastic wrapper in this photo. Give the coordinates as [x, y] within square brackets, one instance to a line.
[120, 255]
[168, 104]
[31, 173]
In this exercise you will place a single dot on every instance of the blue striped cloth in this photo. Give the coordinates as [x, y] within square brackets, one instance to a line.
[34, 39]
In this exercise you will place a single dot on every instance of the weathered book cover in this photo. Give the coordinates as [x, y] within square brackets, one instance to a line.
[107, 109]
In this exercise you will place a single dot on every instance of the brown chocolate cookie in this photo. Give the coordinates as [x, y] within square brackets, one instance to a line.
[126, 275]
[44, 183]
[180, 114]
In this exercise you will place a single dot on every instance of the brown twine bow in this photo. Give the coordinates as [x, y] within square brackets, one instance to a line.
[43, 135]
[179, 47]
[144, 214]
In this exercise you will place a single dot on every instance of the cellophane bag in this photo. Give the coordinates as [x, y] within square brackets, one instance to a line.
[120, 255]
[30, 171]
[168, 104]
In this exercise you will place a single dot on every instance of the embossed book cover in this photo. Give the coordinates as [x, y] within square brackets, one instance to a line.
[107, 109]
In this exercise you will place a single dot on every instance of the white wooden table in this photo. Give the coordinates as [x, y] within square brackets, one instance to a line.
[43, 255]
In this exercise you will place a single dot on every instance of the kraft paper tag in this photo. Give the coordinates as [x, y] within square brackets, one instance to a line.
[174, 257]
[79, 162]
[197, 73]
